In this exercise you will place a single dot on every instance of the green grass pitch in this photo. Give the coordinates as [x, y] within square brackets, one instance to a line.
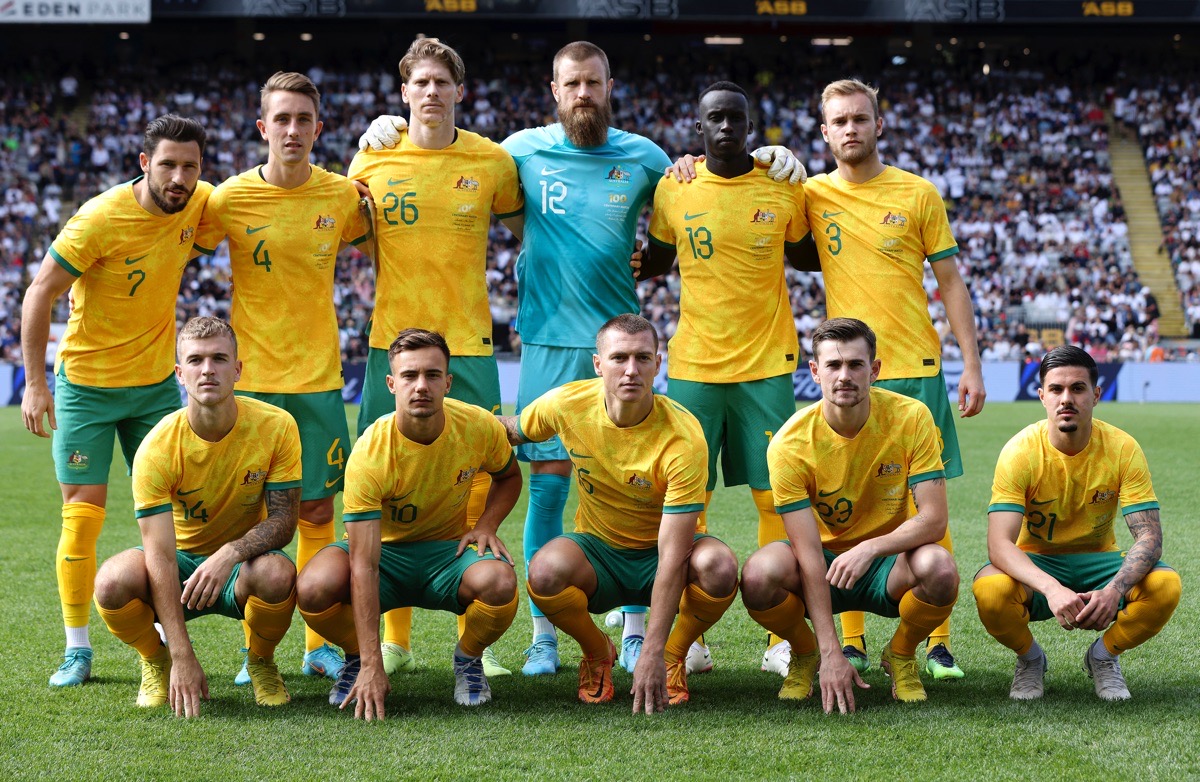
[734, 727]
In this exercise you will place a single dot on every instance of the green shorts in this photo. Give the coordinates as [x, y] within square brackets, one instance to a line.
[623, 576]
[226, 604]
[544, 368]
[324, 438]
[738, 420]
[1078, 573]
[869, 594]
[88, 418]
[932, 391]
[425, 574]
[476, 382]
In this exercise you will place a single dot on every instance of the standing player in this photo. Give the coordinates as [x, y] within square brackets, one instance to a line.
[641, 464]
[731, 229]
[216, 488]
[874, 227]
[286, 221]
[434, 192]
[407, 490]
[123, 254]
[868, 462]
[1059, 485]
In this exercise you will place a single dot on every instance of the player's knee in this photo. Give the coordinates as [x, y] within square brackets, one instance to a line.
[995, 595]
[118, 579]
[548, 573]
[273, 577]
[318, 588]
[936, 572]
[1162, 588]
[317, 512]
[761, 578]
[715, 568]
[490, 581]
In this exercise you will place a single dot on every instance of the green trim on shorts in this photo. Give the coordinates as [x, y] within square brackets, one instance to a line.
[157, 509]
[932, 392]
[423, 574]
[324, 439]
[226, 604]
[932, 475]
[791, 506]
[63, 262]
[623, 576]
[738, 420]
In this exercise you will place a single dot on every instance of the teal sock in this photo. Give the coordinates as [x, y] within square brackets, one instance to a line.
[543, 520]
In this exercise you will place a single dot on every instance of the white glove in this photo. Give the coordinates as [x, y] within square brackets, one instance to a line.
[784, 165]
[384, 132]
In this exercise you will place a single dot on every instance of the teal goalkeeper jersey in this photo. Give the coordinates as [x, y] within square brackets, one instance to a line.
[581, 213]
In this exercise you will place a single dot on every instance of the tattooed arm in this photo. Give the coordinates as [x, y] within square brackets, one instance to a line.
[512, 425]
[1102, 604]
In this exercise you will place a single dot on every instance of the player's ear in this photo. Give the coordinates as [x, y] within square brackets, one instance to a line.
[318, 128]
[391, 383]
[262, 127]
[596, 363]
[824, 132]
[458, 94]
[876, 365]
[879, 126]
[144, 162]
[404, 92]
[812, 370]
[237, 370]
[449, 381]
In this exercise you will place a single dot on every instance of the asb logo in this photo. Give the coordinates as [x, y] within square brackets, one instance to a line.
[1102, 496]
[619, 173]
[253, 477]
[762, 216]
[894, 218]
[324, 223]
[465, 475]
[467, 184]
[887, 469]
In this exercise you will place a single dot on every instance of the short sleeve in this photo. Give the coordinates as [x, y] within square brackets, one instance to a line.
[1137, 492]
[80, 243]
[508, 199]
[358, 165]
[936, 236]
[925, 461]
[356, 222]
[687, 474]
[797, 227]
[539, 421]
[211, 230]
[789, 481]
[661, 231]
[153, 482]
[499, 453]
[363, 493]
[1010, 481]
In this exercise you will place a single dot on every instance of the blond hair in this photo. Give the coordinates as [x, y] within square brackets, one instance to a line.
[284, 81]
[844, 88]
[206, 327]
[432, 49]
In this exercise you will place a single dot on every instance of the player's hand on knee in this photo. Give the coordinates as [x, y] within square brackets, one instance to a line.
[784, 165]
[384, 132]
[483, 542]
[838, 680]
[649, 688]
[1066, 606]
[37, 402]
[368, 694]
[188, 687]
[1100, 611]
[684, 169]
[848, 567]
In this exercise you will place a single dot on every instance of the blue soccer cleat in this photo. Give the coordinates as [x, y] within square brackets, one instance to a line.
[631, 650]
[345, 680]
[543, 656]
[76, 668]
[243, 676]
[323, 661]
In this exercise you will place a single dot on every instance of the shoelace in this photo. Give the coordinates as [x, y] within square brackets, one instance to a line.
[1029, 672]
[270, 680]
[72, 659]
[349, 674]
[538, 648]
[156, 680]
[1105, 670]
[941, 655]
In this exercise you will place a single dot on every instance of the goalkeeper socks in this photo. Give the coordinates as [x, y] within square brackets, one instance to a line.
[543, 520]
[75, 567]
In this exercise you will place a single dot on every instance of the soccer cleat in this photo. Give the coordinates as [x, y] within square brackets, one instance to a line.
[323, 661]
[156, 679]
[1029, 679]
[802, 671]
[345, 680]
[1106, 676]
[269, 689]
[397, 659]
[857, 657]
[775, 659]
[939, 664]
[76, 667]
[677, 686]
[699, 659]
[543, 656]
[906, 677]
[492, 666]
[631, 650]
[470, 682]
[243, 676]
[595, 676]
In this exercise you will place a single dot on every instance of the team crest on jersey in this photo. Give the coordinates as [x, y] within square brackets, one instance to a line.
[467, 184]
[887, 469]
[895, 219]
[638, 482]
[762, 216]
[253, 477]
[465, 475]
[186, 234]
[619, 174]
[77, 460]
[324, 223]
[1102, 496]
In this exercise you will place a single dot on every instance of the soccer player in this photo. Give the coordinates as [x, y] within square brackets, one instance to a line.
[407, 485]
[859, 482]
[434, 191]
[1059, 485]
[123, 255]
[216, 489]
[641, 464]
[585, 183]
[731, 229]
[874, 228]
[286, 221]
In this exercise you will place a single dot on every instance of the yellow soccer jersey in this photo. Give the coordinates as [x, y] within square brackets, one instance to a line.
[216, 491]
[1070, 502]
[420, 491]
[628, 477]
[735, 317]
[282, 248]
[873, 240]
[121, 333]
[858, 488]
[432, 217]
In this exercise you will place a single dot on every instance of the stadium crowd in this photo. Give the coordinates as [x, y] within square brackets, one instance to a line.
[1020, 158]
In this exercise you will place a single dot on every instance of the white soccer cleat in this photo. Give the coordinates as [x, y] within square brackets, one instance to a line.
[1107, 676]
[777, 657]
[1028, 682]
[470, 684]
[699, 659]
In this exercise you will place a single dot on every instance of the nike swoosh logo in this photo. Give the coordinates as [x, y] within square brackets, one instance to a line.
[551, 171]
[394, 182]
[250, 230]
[574, 455]
[402, 496]
[73, 559]
[1045, 502]
[828, 493]
[599, 689]
[830, 214]
[186, 493]
[129, 261]
[330, 484]
[687, 216]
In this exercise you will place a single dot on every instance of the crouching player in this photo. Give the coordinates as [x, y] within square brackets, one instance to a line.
[642, 466]
[1058, 487]
[407, 484]
[216, 490]
[860, 540]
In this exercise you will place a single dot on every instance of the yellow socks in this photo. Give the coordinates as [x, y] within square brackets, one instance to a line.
[269, 622]
[786, 621]
[1148, 607]
[1000, 600]
[484, 624]
[75, 564]
[335, 623]
[397, 627]
[568, 611]
[854, 629]
[312, 538]
[133, 623]
[698, 611]
[917, 619]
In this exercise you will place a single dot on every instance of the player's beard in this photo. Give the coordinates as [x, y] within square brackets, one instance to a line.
[159, 197]
[858, 154]
[586, 125]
